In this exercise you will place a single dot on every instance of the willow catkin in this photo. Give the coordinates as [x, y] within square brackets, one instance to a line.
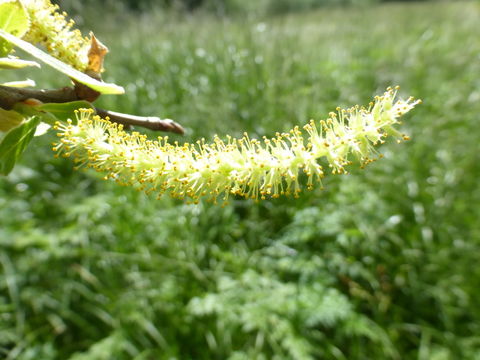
[247, 167]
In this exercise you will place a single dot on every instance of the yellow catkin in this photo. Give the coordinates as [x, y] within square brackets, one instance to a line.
[247, 167]
[50, 28]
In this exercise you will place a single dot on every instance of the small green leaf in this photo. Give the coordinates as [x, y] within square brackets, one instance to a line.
[50, 113]
[33, 110]
[9, 119]
[13, 20]
[64, 111]
[101, 87]
[15, 142]
[14, 63]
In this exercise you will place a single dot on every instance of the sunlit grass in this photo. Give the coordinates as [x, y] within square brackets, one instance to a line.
[396, 247]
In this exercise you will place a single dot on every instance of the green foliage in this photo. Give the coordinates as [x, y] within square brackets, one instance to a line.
[21, 123]
[13, 144]
[62, 111]
[14, 20]
[382, 265]
[10, 119]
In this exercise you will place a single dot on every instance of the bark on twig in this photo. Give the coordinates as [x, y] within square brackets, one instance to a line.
[148, 122]
[9, 96]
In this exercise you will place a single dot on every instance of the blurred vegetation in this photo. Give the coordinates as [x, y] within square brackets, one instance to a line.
[383, 264]
[220, 7]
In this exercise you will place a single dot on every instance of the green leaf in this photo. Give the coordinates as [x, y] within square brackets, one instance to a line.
[53, 112]
[13, 20]
[14, 63]
[64, 111]
[15, 142]
[9, 119]
[104, 88]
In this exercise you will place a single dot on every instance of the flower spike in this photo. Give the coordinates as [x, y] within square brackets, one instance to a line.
[50, 28]
[246, 167]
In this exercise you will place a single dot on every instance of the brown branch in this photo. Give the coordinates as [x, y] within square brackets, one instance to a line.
[9, 96]
[149, 122]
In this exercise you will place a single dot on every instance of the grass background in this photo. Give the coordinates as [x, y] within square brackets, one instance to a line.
[382, 264]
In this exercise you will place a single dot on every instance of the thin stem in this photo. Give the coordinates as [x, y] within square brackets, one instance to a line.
[148, 122]
[9, 96]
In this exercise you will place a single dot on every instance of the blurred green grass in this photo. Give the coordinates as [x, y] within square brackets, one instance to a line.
[381, 264]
